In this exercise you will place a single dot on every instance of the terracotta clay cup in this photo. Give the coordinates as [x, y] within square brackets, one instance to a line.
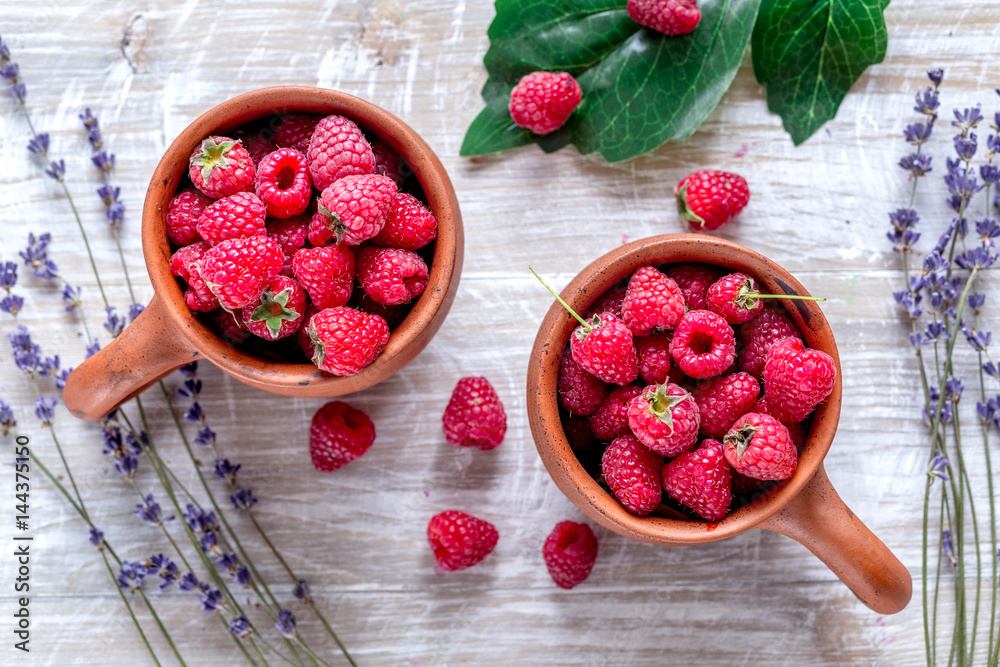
[805, 507]
[168, 334]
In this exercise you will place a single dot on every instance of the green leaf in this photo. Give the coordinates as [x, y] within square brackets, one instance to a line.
[640, 88]
[808, 54]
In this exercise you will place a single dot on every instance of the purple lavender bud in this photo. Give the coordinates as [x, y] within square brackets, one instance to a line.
[39, 144]
[18, 91]
[240, 627]
[4, 51]
[61, 377]
[242, 576]
[210, 599]
[917, 339]
[962, 184]
[301, 591]
[134, 311]
[938, 467]
[164, 568]
[189, 370]
[966, 146]
[985, 411]
[194, 412]
[946, 546]
[150, 512]
[223, 469]
[918, 133]
[927, 101]
[935, 75]
[917, 164]
[8, 275]
[285, 623]
[103, 160]
[975, 258]
[9, 70]
[976, 301]
[205, 437]
[88, 119]
[228, 561]
[902, 218]
[112, 441]
[45, 409]
[71, 297]
[131, 575]
[953, 388]
[936, 330]
[56, 170]
[35, 255]
[992, 144]
[188, 582]
[199, 520]
[12, 304]
[126, 465]
[243, 498]
[92, 348]
[108, 194]
[190, 389]
[135, 446]
[990, 173]
[208, 540]
[967, 119]
[115, 323]
[96, 537]
[7, 420]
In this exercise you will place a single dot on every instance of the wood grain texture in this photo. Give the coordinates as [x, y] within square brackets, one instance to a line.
[357, 535]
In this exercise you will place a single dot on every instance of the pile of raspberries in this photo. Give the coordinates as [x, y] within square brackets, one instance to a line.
[299, 225]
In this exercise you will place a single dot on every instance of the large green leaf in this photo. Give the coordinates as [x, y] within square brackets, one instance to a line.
[640, 88]
[808, 54]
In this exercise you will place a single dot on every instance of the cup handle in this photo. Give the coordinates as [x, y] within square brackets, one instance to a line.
[818, 519]
[148, 349]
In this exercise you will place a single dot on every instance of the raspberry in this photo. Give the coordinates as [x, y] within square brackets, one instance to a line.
[652, 302]
[221, 167]
[393, 315]
[609, 302]
[542, 101]
[231, 326]
[186, 263]
[460, 540]
[578, 433]
[694, 281]
[795, 429]
[702, 480]
[665, 418]
[610, 420]
[632, 470]
[796, 379]
[338, 148]
[759, 446]
[734, 297]
[294, 131]
[387, 162]
[326, 274]
[283, 183]
[338, 435]
[579, 392]
[758, 335]
[257, 145]
[653, 353]
[703, 345]
[352, 210]
[241, 215]
[238, 270]
[409, 225]
[302, 335]
[278, 311]
[391, 277]
[723, 400]
[604, 348]
[474, 416]
[747, 488]
[182, 216]
[569, 552]
[346, 340]
[671, 17]
[709, 199]
[292, 234]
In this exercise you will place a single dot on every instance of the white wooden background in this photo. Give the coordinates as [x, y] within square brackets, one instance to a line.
[358, 535]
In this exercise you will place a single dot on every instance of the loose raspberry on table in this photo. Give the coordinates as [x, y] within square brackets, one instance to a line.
[221, 167]
[283, 183]
[241, 215]
[671, 17]
[723, 400]
[338, 435]
[653, 302]
[409, 225]
[238, 270]
[338, 148]
[258, 145]
[390, 276]
[186, 263]
[183, 213]
[346, 340]
[632, 470]
[570, 552]
[701, 479]
[759, 446]
[292, 234]
[665, 418]
[326, 274]
[352, 210]
[797, 379]
[474, 416]
[579, 391]
[543, 101]
[653, 353]
[703, 345]
[694, 281]
[278, 311]
[460, 540]
[758, 335]
[610, 420]
[735, 298]
[609, 302]
[604, 348]
[709, 199]
[387, 162]
[294, 131]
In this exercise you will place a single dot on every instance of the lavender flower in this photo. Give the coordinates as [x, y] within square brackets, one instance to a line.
[28, 355]
[103, 160]
[967, 119]
[92, 348]
[199, 520]
[301, 591]
[115, 323]
[71, 297]
[938, 467]
[9, 71]
[962, 185]
[966, 146]
[205, 437]
[949, 550]
[39, 144]
[96, 538]
[188, 582]
[191, 388]
[35, 255]
[243, 498]
[45, 409]
[134, 310]
[228, 561]
[210, 597]
[164, 568]
[990, 173]
[131, 575]
[223, 469]
[61, 377]
[12, 304]
[976, 258]
[56, 170]
[935, 75]
[918, 133]
[953, 388]
[927, 101]
[8, 275]
[240, 627]
[194, 413]
[285, 623]
[979, 340]
[7, 420]
[242, 576]
[150, 512]
[189, 370]
[917, 164]
[93, 129]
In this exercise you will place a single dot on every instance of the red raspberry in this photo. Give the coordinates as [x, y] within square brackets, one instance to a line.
[338, 435]
[186, 263]
[758, 335]
[579, 392]
[390, 276]
[238, 270]
[795, 429]
[387, 162]
[338, 148]
[569, 552]
[610, 420]
[723, 400]
[232, 327]
[278, 312]
[237, 216]
[220, 167]
[578, 433]
[703, 345]
[652, 302]
[302, 335]
[702, 480]
[292, 234]
[671, 17]
[352, 210]
[606, 349]
[543, 101]
[294, 131]
[393, 315]
[346, 340]
[283, 183]
[694, 281]
[734, 296]
[409, 224]
[632, 470]
[257, 145]
[797, 379]
[460, 540]
[709, 199]
[326, 274]
[654, 357]
[665, 418]
[182, 216]
[609, 302]
[759, 446]
[474, 416]
[747, 487]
